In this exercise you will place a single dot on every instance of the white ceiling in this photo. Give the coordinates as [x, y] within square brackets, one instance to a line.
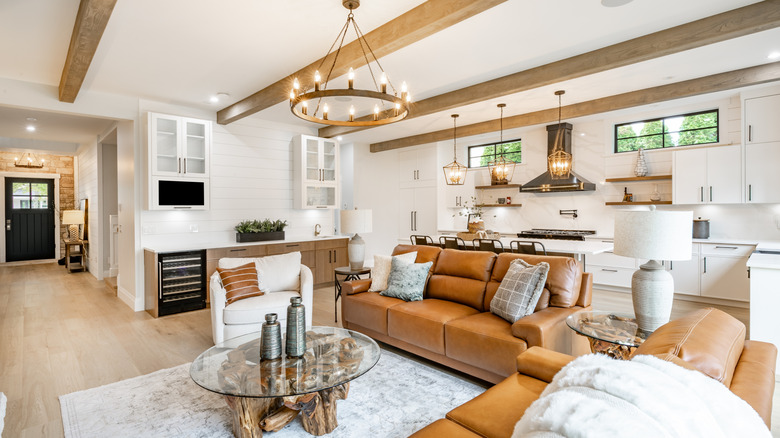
[183, 51]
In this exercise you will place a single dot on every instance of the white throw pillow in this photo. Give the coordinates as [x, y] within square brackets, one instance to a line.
[381, 270]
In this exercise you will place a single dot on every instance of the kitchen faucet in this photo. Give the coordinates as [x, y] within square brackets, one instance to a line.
[317, 230]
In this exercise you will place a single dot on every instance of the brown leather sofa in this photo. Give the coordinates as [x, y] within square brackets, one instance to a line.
[453, 325]
[707, 340]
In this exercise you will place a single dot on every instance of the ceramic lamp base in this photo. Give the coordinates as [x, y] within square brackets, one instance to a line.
[652, 291]
[73, 232]
[357, 252]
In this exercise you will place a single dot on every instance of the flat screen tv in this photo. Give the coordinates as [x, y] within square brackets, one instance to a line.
[181, 193]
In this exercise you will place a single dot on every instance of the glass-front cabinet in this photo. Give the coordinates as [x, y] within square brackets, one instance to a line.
[179, 146]
[316, 171]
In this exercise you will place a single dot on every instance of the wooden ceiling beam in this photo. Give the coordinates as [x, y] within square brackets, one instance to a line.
[721, 27]
[408, 28]
[91, 21]
[709, 84]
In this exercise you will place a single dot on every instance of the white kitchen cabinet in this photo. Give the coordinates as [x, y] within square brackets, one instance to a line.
[724, 271]
[179, 146]
[417, 212]
[316, 173]
[708, 175]
[685, 273]
[761, 115]
[456, 196]
[417, 167]
[761, 176]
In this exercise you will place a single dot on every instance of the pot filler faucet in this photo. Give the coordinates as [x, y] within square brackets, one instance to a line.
[317, 230]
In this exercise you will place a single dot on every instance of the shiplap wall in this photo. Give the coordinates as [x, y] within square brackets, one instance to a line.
[88, 189]
[251, 177]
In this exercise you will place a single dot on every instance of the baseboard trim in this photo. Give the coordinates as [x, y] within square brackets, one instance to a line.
[126, 297]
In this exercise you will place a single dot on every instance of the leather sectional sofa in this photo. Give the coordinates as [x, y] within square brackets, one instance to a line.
[707, 340]
[453, 324]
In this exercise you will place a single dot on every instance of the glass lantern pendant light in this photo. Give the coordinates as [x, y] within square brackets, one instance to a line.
[559, 161]
[311, 103]
[454, 173]
[501, 169]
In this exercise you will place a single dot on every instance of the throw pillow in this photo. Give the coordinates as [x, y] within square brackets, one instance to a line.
[407, 280]
[240, 282]
[519, 290]
[381, 270]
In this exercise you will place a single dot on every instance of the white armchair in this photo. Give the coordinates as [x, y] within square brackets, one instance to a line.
[283, 275]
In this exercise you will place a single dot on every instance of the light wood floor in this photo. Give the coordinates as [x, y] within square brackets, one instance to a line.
[61, 333]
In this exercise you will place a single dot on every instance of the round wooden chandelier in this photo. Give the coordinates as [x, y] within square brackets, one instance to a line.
[311, 103]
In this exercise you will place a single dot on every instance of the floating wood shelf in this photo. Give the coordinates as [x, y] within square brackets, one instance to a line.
[639, 178]
[499, 205]
[640, 203]
[502, 186]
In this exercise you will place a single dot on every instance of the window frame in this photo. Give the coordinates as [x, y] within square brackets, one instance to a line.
[663, 134]
[468, 151]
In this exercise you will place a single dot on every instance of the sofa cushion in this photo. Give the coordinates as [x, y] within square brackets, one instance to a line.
[708, 339]
[407, 280]
[495, 412]
[421, 323]
[240, 282]
[461, 276]
[754, 377]
[279, 272]
[485, 341]
[253, 310]
[520, 290]
[563, 281]
[380, 272]
[369, 310]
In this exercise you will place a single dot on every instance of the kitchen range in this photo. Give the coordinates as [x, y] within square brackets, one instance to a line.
[542, 233]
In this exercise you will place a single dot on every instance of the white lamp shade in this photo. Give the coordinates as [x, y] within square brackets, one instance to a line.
[355, 221]
[73, 217]
[653, 234]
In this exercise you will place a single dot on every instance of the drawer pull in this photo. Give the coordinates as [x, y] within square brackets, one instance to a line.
[725, 247]
[238, 250]
[609, 270]
[292, 246]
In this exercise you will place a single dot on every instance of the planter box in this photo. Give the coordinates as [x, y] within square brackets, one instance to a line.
[259, 237]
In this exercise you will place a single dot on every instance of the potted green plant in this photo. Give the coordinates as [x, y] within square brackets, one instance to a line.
[256, 230]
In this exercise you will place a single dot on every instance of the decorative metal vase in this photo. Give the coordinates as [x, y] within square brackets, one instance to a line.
[295, 344]
[641, 164]
[272, 338]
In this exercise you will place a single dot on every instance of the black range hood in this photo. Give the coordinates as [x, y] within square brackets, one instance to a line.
[545, 181]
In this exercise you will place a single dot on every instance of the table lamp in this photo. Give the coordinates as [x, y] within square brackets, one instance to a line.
[354, 222]
[655, 236]
[73, 218]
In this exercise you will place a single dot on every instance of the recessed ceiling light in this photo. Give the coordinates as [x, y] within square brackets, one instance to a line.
[218, 97]
[339, 138]
[213, 99]
[774, 55]
[614, 3]
[30, 128]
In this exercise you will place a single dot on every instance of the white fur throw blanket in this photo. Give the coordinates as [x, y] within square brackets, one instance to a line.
[596, 396]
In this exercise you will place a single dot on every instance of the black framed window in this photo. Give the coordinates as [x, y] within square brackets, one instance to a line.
[666, 132]
[27, 195]
[480, 155]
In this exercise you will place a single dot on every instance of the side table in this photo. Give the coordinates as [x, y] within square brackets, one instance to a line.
[79, 246]
[349, 274]
[614, 335]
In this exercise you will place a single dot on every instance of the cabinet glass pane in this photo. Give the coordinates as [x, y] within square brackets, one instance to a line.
[329, 160]
[195, 147]
[320, 196]
[312, 160]
[167, 153]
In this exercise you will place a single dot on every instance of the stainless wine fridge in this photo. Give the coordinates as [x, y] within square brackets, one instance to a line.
[181, 283]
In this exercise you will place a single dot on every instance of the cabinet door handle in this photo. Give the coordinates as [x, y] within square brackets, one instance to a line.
[415, 221]
[293, 246]
[750, 192]
[411, 220]
[710, 193]
[671, 265]
[701, 193]
[608, 270]
[238, 250]
[330, 256]
[334, 256]
[750, 132]
[8, 224]
[178, 165]
[159, 280]
[184, 166]
[705, 265]
[725, 247]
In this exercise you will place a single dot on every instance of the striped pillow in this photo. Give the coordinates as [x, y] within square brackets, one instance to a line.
[240, 282]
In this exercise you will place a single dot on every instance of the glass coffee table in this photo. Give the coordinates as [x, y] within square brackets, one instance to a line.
[614, 335]
[266, 395]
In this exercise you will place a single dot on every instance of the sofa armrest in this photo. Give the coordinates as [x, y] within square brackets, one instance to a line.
[541, 363]
[217, 305]
[545, 328]
[355, 286]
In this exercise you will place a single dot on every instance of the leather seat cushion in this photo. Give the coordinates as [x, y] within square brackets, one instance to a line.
[495, 412]
[457, 289]
[369, 310]
[485, 341]
[563, 281]
[421, 323]
[709, 340]
[253, 310]
[754, 377]
[443, 428]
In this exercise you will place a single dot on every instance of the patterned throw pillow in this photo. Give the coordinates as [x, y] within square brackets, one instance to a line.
[240, 282]
[381, 270]
[407, 280]
[519, 290]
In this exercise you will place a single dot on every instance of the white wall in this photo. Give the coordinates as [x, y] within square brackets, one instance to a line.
[87, 186]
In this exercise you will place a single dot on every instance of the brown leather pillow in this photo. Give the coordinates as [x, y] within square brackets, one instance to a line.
[240, 282]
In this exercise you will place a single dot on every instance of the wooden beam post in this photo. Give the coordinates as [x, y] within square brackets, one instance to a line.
[709, 84]
[91, 21]
[721, 27]
[410, 27]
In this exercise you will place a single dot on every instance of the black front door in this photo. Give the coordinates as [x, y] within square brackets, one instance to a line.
[29, 219]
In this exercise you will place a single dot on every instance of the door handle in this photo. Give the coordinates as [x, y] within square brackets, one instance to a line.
[185, 166]
[750, 132]
[411, 220]
[725, 247]
[750, 192]
[608, 270]
[710, 193]
[8, 224]
[671, 265]
[415, 221]
[159, 280]
[178, 166]
[330, 256]
[705, 265]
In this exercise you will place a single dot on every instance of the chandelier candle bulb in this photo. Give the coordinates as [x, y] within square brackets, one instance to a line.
[325, 111]
[383, 82]
[317, 80]
[351, 113]
[292, 95]
[296, 85]
[397, 108]
[376, 112]
[351, 79]
[404, 90]
[305, 107]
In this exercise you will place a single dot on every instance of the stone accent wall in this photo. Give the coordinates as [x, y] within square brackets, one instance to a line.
[58, 164]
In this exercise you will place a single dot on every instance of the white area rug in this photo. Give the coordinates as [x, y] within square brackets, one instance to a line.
[3, 402]
[396, 398]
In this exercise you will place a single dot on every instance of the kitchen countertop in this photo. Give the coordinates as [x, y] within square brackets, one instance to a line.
[230, 244]
[764, 261]
[579, 247]
[712, 239]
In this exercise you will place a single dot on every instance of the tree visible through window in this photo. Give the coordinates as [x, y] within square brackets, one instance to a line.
[481, 155]
[682, 130]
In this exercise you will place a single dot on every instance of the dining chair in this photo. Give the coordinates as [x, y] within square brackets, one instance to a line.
[488, 245]
[527, 247]
[420, 239]
[452, 242]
